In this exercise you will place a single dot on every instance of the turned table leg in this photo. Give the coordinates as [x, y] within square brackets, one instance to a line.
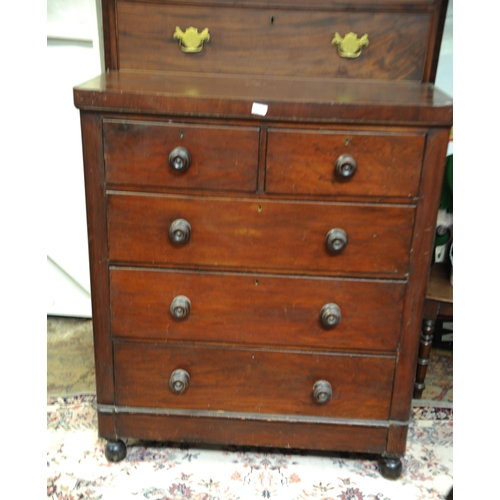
[424, 354]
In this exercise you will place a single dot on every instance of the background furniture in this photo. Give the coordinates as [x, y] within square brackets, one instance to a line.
[438, 303]
[262, 188]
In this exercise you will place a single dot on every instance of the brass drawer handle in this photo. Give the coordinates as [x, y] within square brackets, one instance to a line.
[350, 46]
[336, 240]
[345, 166]
[179, 232]
[322, 392]
[179, 381]
[330, 315]
[180, 307]
[179, 159]
[190, 41]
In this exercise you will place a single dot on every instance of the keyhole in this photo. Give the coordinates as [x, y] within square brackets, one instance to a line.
[181, 134]
[272, 20]
[347, 141]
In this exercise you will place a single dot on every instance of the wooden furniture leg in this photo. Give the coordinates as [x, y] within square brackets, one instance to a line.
[424, 353]
[438, 302]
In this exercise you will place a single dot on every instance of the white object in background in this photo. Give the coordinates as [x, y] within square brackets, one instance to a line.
[451, 259]
[65, 296]
[71, 59]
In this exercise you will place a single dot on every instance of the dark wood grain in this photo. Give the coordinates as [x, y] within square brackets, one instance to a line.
[97, 237]
[287, 435]
[435, 40]
[222, 158]
[255, 309]
[288, 99]
[106, 425]
[245, 41]
[108, 9]
[423, 238]
[260, 234]
[253, 380]
[303, 161]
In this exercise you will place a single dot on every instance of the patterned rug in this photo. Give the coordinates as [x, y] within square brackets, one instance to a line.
[77, 468]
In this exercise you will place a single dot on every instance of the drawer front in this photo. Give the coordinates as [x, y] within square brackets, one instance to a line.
[311, 163]
[260, 235]
[256, 309]
[266, 41]
[220, 158]
[253, 381]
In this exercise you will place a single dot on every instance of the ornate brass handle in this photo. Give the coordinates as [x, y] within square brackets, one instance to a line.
[179, 159]
[330, 315]
[179, 381]
[322, 392]
[179, 232]
[350, 46]
[345, 166]
[191, 41]
[336, 240]
[180, 307]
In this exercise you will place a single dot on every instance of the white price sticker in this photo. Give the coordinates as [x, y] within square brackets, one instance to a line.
[259, 109]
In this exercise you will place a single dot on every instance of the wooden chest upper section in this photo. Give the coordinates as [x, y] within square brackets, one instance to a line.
[353, 39]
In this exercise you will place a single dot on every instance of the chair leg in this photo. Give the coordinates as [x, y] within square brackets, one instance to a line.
[424, 354]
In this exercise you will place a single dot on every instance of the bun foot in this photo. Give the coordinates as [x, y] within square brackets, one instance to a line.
[390, 467]
[115, 451]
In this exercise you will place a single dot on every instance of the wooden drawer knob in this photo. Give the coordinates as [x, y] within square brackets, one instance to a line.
[179, 159]
[322, 392]
[336, 240]
[179, 381]
[179, 232]
[330, 315]
[180, 307]
[345, 167]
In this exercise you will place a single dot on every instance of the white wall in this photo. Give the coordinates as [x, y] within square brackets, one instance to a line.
[73, 56]
[444, 76]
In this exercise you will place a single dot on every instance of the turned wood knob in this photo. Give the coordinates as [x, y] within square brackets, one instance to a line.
[180, 307]
[330, 315]
[336, 240]
[322, 392]
[179, 381]
[179, 231]
[345, 166]
[179, 159]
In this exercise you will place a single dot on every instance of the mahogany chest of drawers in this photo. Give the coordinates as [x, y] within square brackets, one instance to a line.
[262, 183]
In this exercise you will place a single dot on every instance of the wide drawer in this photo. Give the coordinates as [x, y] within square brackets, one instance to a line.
[136, 153]
[273, 41]
[254, 381]
[371, 164]
[260, 235]
[256, 309]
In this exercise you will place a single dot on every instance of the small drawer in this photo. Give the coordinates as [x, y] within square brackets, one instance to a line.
[330, 163]
[282, 41]
[180, 156]
[285, 311]
[333, 239]
[253, 381]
